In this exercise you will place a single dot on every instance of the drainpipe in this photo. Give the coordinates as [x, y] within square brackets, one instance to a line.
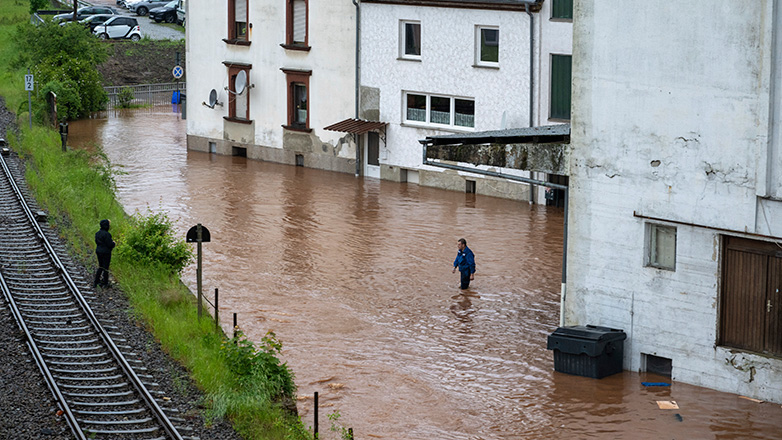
[358, 83]
[531, 84]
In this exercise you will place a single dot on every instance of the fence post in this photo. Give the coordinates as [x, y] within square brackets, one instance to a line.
[316, 415]
[217, 310]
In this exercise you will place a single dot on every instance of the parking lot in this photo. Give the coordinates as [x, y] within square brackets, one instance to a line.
[149, 29]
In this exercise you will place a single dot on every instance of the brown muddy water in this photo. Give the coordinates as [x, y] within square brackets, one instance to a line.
[354, 276]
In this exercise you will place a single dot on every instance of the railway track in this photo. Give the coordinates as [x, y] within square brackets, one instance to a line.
[100, 392]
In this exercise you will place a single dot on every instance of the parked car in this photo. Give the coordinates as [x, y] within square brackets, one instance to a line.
[143, 7]
[93, 21]
[119, 27]
[165, 13]
[181, 7]
[83, 13]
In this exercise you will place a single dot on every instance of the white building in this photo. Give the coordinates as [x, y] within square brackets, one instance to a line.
[299, 59]
[434, 67]
[676, 187]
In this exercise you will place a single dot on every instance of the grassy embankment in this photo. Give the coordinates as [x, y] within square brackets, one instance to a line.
[77, 190]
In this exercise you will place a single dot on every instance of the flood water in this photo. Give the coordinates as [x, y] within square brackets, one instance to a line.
[354, 276]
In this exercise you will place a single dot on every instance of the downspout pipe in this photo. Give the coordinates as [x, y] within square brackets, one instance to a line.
[357, 138]
[531, 84]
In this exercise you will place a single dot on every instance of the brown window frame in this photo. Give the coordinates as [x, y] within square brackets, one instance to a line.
[233, 70]
[289, 43]
[293, 77]
[233, 38]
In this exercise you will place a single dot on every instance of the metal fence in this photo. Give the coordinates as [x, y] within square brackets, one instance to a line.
[152, 94]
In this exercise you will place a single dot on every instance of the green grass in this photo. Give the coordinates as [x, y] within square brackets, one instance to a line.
[77, 189]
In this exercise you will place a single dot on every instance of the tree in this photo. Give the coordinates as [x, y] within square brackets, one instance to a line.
[35, 5]
[64, 59]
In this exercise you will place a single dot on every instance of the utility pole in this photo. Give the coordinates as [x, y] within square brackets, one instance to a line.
[75, 8]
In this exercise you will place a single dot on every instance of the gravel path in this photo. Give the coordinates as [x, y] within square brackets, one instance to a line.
[27, 409]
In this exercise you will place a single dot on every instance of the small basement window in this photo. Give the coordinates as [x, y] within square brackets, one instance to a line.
[239, 151]
[661, 246]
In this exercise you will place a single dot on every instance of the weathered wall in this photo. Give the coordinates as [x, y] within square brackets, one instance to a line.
[670, 120]
[546, 158]
[332, 84]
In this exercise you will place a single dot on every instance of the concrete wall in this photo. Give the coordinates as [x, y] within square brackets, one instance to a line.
[670, 120]
[331, 59]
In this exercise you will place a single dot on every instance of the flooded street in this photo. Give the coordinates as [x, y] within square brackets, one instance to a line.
[354, 277]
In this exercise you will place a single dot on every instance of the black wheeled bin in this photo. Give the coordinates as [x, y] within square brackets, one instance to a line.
[587, 350]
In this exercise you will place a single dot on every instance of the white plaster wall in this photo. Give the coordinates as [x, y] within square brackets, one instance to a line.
[670, 116]
[332, 37]
[556, 38]
[446, 67]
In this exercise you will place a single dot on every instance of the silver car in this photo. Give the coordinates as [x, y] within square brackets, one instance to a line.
[143, 7]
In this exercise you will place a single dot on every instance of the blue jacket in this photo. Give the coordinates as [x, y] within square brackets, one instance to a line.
[465, 260]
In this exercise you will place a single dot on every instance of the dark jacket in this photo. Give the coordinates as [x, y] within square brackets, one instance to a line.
[465, 260]
[103, 239]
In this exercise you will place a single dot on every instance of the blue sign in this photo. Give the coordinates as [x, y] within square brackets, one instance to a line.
[178, 72]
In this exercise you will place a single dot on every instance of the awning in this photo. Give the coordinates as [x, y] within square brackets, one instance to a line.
[356, 126]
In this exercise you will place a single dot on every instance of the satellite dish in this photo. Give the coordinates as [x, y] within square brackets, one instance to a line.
[241, 82]
[212, 98]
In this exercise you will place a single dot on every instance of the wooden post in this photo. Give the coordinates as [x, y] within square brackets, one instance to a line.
[198, 270]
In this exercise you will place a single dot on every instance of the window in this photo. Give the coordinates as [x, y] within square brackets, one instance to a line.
[661, 246]
[298, 99]
[296, 35]
[562, 9]
[487, 46]
[237, 22]
[560, 87]
[238, 104]
[437, 110]
[751, 296]
[410, 40]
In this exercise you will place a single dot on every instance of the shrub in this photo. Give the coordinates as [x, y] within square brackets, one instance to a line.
[258, 370]
[150, 238]
[125, 97]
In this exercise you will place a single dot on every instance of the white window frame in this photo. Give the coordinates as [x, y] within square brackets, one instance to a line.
[427, 122]
[403, 40]
[652, 257]
[478, 61]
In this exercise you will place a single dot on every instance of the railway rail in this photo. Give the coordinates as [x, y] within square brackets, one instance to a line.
[100, 392]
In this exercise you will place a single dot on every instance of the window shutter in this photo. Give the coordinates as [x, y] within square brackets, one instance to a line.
[299, 21]
[560, 86]
[240, 11]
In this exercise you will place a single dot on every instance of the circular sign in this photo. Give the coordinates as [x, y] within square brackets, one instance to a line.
[178, 72]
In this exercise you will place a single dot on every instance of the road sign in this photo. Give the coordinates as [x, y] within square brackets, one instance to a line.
[29, 83]
[178, 72]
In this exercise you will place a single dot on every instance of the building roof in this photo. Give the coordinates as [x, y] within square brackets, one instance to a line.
[544, 134]
[357, 126]
[534, 6]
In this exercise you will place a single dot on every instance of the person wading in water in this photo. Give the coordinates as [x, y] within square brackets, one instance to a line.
[465, 262]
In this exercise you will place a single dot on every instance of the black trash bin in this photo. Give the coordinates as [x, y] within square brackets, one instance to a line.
[588, 351]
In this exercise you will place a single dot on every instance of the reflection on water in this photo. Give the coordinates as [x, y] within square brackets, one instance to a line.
[355, 278]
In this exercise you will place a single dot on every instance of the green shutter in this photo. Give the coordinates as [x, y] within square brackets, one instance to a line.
[562, 9]
[560, 86]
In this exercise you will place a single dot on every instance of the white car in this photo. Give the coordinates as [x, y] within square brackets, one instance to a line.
[119, 27]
